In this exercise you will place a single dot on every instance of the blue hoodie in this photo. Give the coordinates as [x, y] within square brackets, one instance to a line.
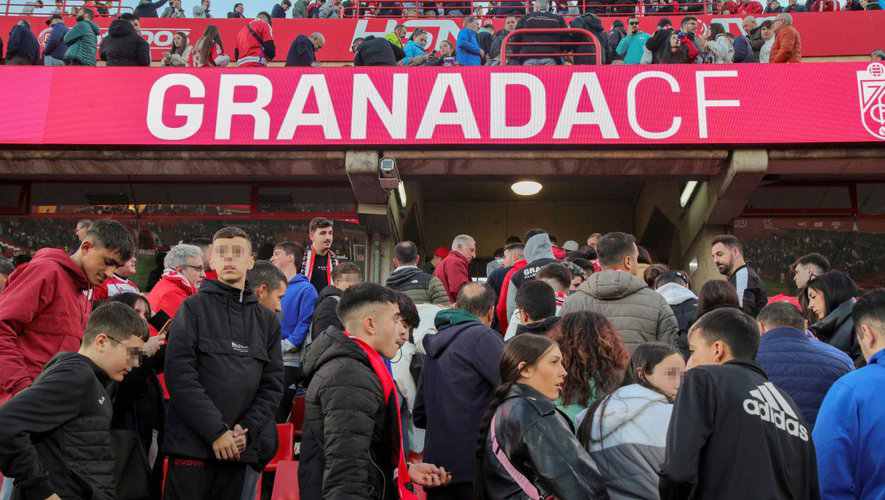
[467, 51]
[457, 383]
[849, 433]
[55, 44]
[297, 313]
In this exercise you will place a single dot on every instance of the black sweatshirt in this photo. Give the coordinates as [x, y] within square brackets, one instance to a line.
[735, 435]
[55, 435]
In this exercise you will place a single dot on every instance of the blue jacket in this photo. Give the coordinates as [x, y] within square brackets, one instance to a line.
[849, 435]
[631, 47]
[412, 50]
[23, 43]
[55, 44]
[743, 51]
[297, 308]
[457, 383]
[803, 367]
[467, 51]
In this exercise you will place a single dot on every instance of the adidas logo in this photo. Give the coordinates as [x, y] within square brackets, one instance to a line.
[768, 404]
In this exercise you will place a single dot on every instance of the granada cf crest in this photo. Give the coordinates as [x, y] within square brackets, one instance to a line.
[871, 92]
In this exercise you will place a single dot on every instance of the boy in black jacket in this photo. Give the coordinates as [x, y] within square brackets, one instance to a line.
[734, 434]
[55, 436]
[224, 371]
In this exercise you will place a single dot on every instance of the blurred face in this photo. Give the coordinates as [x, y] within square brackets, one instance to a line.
[547, 375]
[321, 239]
[576, 282]
[777, 24]
[421, 40]
[817, 303]
[401, 32]
[667, 375]
[510, 24]
[231, 259]
[593, 240]
[117, 358]
[240, 9]
[271, 298]
[80, 232]
[98, 262]
[803, 274]
[142, 308]
[447, 50]
[474, 25]
[690, 26]
[749, 25]
[356, 44]
[703, 352]
[348, 280]
[178, 41]
[469, 250]
[386, 327]
[281, 260]
[193, 271]
[723, 258]
[129, 268]
[766, 33]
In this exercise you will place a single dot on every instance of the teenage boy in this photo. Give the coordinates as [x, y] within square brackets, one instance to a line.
[319, 260]
[224, 371]
[44, 307]
[268, 284]
[55, 437]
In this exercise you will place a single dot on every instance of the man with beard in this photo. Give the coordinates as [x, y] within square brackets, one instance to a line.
[728, 256]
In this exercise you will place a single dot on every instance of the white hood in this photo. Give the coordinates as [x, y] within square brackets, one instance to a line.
[676, 294]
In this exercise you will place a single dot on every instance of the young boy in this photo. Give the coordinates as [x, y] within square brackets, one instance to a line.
[224, 371]
[55, 437]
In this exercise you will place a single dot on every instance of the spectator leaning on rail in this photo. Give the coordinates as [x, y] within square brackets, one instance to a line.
[787, 46]
[255, 44]
[375, 51]
[23, 47]
[124, 46]
[302, 52]
[54, 50]
[82, 40]
[146, 8]
[632, 47]
[467, 50]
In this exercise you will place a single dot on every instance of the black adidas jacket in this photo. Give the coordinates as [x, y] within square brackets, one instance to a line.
[734, 435]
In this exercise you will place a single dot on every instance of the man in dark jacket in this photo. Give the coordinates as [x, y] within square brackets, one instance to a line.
[302, 52]
[542, 43]
[407, 278]
[753, 32]
[459, 377]
[733, 434]
[659, 43]
[537, 308]
[325, 315]
[495, 49]
[673, 286]
[352, 439]
[146, 8]
[279, 10]
[55, 437]
[803, 367]
[377, 52]
[54, 51]
[124, 46]
[728, 257]
[23, 47]
[585, 54]
[613, 38]
[224, 372]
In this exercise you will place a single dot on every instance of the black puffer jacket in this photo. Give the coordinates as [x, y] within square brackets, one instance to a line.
[325, 314]
[539, 20]
[55, 436]
[539, 441]
[837, 329]
[350, 436]
[123, 46]
[223, 367]
[377, 52]
[583, 53]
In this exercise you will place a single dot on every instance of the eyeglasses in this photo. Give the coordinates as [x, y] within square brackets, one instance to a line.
[632, 23]
[134, 353]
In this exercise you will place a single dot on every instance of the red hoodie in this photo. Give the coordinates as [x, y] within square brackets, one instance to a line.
[168, 294]
[454, 273]
[43, 311]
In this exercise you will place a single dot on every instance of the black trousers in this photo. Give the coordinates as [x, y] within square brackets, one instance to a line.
[459, 491]
[291, 377]
[204, 480]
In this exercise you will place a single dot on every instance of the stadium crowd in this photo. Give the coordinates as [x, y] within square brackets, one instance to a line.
[477, 44]
[580, 371]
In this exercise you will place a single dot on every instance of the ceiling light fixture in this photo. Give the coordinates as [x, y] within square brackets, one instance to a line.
[687, 193]
[526, 188]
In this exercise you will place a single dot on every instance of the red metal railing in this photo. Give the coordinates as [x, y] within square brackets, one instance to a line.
[65, 7]
[574, 46]
[502, 8]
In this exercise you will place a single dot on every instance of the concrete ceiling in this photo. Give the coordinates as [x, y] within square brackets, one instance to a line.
[457, 188]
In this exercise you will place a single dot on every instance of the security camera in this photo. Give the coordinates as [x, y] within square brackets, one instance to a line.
[388, 175]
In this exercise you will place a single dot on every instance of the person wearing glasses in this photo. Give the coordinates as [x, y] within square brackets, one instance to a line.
[626, 431]
[632, 47]
[55, 437]
[182, 276]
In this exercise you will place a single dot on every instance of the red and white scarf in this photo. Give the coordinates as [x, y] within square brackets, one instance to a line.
[309, 260]
[173, 275]
[389, 387]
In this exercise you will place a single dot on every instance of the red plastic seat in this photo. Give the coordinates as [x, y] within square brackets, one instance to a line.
[285, 485]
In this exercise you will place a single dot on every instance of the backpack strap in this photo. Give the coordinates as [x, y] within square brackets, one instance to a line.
[258, 38]
[527, 487]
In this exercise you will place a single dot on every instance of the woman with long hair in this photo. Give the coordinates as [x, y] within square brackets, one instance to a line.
[831, 298]
[209, 50]
[626, 431]
[594, 357]
[715, 294]
[526, 444]
[180, 52]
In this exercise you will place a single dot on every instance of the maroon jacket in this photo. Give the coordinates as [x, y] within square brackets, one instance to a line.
[453, 273]
[43, 311]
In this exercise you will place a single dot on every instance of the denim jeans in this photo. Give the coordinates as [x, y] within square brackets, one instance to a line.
[51, 61]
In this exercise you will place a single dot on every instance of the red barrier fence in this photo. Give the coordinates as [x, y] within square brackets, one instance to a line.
[570, 106]
[571, 44]
[64, 7]
[823, 34]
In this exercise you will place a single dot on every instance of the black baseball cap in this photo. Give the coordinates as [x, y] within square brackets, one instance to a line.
[54, 16]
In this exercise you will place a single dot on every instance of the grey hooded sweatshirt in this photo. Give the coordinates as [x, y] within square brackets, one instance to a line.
[636, 311]
[538, 253]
